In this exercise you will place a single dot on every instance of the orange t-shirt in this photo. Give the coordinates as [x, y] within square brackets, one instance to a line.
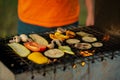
[48, 13]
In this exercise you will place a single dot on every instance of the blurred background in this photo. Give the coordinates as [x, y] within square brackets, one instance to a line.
[8, 17]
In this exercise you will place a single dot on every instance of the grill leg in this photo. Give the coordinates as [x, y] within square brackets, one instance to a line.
[102, 57]
[113, 55]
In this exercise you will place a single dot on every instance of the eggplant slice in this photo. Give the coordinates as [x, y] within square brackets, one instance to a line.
[89, 39]
[54, 53]
[72, 41]
[82, 33]
[83, 46]
[97, 44]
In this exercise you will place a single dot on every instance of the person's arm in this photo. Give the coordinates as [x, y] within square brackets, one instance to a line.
[90, 12]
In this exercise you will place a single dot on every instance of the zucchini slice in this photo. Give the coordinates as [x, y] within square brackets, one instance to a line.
[19, 49]
[39, 39]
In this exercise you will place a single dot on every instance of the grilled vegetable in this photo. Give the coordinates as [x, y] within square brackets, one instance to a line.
[97, 44]
[52, 45]
[19, 49]
[54, 53]
[15, 39]
[52, 36]
[83, 46]
[39, 39]
[33, 46]
[89, 39]
[61, 30]
[61, 36]
[58, 42]
[66, 49]
[72, 41]
[71, 34]
[38, 58]
[24, 37]
[82, 33]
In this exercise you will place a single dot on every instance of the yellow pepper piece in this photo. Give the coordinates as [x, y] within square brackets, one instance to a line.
[61, 36]
[38, 58]
[52, 36]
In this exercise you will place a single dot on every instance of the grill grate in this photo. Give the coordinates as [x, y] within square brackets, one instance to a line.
[19, 65]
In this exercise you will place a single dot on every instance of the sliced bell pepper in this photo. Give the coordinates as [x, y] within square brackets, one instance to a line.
[33, 46]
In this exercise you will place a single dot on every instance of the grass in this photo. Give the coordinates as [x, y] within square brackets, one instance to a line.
[83, 13]
[8, 17]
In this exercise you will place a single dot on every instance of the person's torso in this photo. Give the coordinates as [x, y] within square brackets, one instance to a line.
[48, 13]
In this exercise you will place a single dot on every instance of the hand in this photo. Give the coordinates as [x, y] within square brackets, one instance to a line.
[90, 20]
[90, 12]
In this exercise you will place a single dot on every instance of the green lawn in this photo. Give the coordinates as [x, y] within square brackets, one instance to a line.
[8, 17]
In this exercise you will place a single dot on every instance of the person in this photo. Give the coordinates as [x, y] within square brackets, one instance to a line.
[39, 16]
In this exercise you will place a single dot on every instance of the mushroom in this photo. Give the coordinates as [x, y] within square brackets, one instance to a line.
[15, 39]
[51, 45]
[61, 30]
[24, 37]
[58, 42]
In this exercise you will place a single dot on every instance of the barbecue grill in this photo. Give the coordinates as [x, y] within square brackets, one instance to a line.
[18, 65]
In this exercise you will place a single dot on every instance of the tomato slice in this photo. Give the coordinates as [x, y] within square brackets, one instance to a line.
[33, 46]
